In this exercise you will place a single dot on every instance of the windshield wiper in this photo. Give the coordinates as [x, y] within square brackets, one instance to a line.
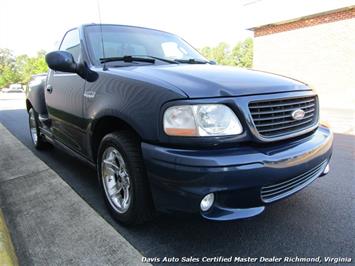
[191, 61]
[162, 59]
[150, 59]
[128, 59]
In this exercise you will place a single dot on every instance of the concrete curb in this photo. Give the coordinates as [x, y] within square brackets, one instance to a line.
[50, 223]
[7, 251]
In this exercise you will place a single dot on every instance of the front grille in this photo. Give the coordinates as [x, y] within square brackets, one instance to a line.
[273, 118]
[281, 190]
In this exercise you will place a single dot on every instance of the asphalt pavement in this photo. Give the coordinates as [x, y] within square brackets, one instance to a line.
[318, 221]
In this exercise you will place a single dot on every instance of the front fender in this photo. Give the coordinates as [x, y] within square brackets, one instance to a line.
[136, 102]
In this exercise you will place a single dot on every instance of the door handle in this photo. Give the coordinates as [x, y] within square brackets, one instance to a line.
[49, 88]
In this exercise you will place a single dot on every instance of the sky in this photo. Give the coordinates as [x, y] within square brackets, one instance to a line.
[29, 26]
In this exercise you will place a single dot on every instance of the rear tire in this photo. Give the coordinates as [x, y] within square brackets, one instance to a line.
[37, 139]
[123, 179]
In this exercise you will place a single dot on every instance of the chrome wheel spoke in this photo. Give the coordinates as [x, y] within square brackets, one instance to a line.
[115, 191]
[111, 165]
[126, 182]
[33, 128]
[116, 180]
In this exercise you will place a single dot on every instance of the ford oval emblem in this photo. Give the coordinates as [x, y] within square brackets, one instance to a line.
[298, 114]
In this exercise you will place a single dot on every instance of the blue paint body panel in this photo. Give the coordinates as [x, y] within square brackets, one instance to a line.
[181, 177]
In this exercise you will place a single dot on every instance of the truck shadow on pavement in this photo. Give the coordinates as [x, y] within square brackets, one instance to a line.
[317, 221]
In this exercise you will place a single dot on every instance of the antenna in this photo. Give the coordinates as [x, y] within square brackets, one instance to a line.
[101, 35]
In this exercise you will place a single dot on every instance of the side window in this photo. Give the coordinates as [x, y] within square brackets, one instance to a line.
[71, 44]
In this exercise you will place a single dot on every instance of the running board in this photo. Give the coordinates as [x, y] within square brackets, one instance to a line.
[45, 120]
[74, 154]
[48, 135]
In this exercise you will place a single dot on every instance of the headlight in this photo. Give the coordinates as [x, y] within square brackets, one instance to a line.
[201, 120]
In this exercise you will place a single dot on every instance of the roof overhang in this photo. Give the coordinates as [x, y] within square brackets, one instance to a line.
[302, 18]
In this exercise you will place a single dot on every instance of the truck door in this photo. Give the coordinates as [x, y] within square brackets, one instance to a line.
[64, 98]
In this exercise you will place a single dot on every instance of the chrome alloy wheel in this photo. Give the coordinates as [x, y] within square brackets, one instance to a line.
[33, 127]
[116, 180]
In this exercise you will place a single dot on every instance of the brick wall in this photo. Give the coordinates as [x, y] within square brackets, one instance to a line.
[321, 54]
[306, 22]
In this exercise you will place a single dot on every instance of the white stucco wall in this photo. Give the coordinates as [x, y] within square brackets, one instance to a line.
[322, 56]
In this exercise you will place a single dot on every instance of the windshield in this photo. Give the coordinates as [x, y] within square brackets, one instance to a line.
[122, 41]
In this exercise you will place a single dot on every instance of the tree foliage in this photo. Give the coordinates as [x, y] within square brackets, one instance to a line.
[241, 55]
[19, 69]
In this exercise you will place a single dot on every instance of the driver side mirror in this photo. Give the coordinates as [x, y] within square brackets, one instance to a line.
[61, 61]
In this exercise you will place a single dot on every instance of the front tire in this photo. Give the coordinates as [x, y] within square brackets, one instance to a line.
[123, 178]
[37, 139]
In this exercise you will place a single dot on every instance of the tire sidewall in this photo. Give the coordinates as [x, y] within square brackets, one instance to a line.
[34, 114]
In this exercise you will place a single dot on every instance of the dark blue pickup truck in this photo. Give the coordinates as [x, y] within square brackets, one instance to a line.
[168, 130]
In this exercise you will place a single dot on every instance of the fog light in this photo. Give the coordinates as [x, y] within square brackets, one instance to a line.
[326, 169]
[207, 202]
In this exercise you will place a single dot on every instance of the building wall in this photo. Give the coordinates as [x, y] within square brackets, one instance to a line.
[320, 54]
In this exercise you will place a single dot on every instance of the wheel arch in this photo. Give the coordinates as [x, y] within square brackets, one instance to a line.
[28, 105]
[106, 125]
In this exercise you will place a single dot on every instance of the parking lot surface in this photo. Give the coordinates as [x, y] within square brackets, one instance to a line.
[318, 221]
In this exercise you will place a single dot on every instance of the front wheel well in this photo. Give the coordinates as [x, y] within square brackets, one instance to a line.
[107, 125]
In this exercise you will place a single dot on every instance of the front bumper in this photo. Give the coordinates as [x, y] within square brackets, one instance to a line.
[180, 178]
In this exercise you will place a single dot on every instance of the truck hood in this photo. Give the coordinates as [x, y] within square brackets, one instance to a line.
[203, 81]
